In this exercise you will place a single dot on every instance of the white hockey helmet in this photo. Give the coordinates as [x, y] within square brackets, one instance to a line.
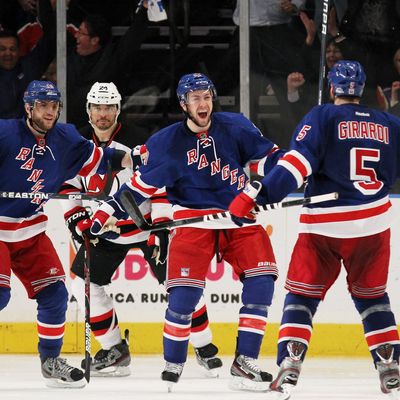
[103, 93]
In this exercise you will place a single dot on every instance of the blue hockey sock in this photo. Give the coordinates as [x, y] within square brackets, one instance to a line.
[256, 297]
[52, 305]
[296, 324]
[178, 321]
[379, 324]
[5, 295]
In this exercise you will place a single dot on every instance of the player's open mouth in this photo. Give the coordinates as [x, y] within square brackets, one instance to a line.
[202, 114]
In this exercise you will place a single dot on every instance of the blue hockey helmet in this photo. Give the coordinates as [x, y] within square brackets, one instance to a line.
[41, 90]
[347, 78]
[191, 82]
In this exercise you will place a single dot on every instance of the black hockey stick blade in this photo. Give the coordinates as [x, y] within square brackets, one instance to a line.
[133, 210]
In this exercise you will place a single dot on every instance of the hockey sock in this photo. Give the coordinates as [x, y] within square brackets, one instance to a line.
[5, 295]
[5, 276]
[200, 333]
[103, 318]
[379, 324]
[51, 305]
[296, 324]
[178, 320]
[256, 297]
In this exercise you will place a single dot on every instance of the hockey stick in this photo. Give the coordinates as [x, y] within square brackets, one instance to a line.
[47, 196]
[134, 212]
[98, 196]
[322, 61]
[88, 344]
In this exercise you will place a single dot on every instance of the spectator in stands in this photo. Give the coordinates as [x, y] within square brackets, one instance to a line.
[275, 48]
[388, 96]
[97, 58]
[374, 27]
[302, 95]
[30, 33]
[296, 80]
[16, 71]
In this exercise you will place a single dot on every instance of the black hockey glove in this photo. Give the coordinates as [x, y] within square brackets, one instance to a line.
[78, 222]
[158, 246]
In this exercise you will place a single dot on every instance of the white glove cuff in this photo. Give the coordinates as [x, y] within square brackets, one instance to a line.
[252, 189]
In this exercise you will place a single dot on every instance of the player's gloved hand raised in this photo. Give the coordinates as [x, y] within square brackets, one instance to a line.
[241, 206]
[105, 217]
[79, 223]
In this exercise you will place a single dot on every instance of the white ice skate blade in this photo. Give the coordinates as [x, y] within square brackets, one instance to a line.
[239, 383]
[170, 386]
[275, 395]
[58, 383]
[108, 372]
[211, 373]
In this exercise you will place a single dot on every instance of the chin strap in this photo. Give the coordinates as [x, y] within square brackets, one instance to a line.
[30, 124]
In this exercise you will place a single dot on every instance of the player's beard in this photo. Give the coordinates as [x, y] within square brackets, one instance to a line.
[104, 124]
[42, 125]
[201, 123]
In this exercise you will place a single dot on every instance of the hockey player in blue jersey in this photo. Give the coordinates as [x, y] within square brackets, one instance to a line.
[37, 155]
[347, 148]
[201, 161]
[113, 359]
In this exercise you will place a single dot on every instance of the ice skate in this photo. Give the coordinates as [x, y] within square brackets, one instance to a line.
[247, 375]
[388, 370]
[171, 374]
[289, 372]
[113, 362]
[206, 358]
[58, 374]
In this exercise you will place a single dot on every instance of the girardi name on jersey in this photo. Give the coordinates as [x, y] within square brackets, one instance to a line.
[363, 130]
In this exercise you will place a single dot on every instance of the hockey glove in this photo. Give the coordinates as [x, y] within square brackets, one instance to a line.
[241, 206]
[158, 244]
[78, 222]
[159, 270]
[138, 156]
[105, 217]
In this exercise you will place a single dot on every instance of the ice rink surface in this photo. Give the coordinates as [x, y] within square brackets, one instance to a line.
[321, 378]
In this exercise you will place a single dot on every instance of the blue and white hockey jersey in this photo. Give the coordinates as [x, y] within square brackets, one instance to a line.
[33, 165]
[203, 172]
[349, 149]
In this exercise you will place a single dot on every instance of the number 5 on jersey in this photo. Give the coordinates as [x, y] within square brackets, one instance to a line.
[364, 178]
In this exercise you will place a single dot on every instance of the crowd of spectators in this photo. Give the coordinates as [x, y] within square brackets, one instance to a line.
[285, 48]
